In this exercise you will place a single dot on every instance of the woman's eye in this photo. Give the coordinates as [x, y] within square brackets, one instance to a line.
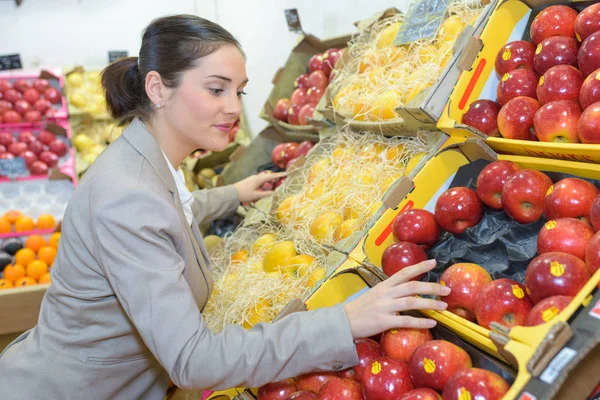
[240, 94]
[216, 91]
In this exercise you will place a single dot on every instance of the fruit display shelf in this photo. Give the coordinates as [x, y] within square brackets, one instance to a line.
[506, 44]
[28, 99]
[85, 94]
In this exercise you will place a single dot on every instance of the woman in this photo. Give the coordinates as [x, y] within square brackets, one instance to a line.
[123, 314]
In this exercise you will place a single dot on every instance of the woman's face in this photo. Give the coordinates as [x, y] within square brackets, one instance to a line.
[208, 101]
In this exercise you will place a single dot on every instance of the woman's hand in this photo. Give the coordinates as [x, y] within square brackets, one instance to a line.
[248, 188]
[376, 310]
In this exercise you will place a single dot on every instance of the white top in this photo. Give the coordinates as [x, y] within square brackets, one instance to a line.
[184, 194]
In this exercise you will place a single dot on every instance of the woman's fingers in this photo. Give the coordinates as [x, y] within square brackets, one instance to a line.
[406, 274]
[416, 303]
[269, 177]
[405, 321]
[414, 288]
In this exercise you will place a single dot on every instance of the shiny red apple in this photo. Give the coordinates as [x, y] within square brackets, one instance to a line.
[283, 153]
[303, 148]
[515, 55]
[29, 156]
[314, 381]
[6, 139]
[565, 235]
[316, 63]
[476, 384]
[32, 116]
[555, 50]
[42, 105]
[302, 81]
[587, 22]
[490, 181]
[561, 82]
[40, 85]
[12, 95]
[58, 147]
[294, 114]
[553, 274]
[38, 168]
[417, 226]
[557, 121]
[588, 57]
[483, 116]
[5, 85]
[340, 389]
[5, 106]
[306, 112]
[331, 56]
[386, 379]
[318, 79]
[314, 94]
[553, 21]
[588, 129]
[26, 137]
[457, 209]
[31, 96]
[36, 147]
[302, 395]
[503, 301]
[516, 83]
[280, 111]
[592, 254]
[21, 106]
[435, 362]
[401, 255]
[570, 198]
[368, 351]
[547, 309]
[277, 390]
[46, 137]
[523, 195]
[22, 85]
[52, 95]
[49, 158]
[17, 148]
[421, 394]
[299, 97]
[399, 344]
[466, 281]
[515, 119]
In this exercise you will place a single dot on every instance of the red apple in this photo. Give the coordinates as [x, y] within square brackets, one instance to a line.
[31, 96]
[318, 79]
[52, 95]
[302, 81]
[314, 94]
[294, 114]
[401, 255]
[36, 147]
[331, 56]
[519, 82]
[21, 106]
[38, 168]
[588, 57]
[306, 112]
[6, 156]
[40, 85]
[5, 105]
[515, 119]
[340, 389]
[277, 390]
[553, 274]
[565, 235]
[32, 116]
[421, 394]
[557, 121]
[42, 105]
[523, 195]
[283, 153]
[561, 82]
[515, 55]
[280, 111]
[22, 85]
[417, 226]
[433, 364]
[399, 344]
[368, 351]
[490, 181]
[11, 117]
[299, 97]
[590, 90]
[2, 149]
[475, 383]
[592, 254]
[503, 301]
[58, 147]
[46, 137]
[12, 95]
[587, 22]
[29, 156]
[17, 148]
[483, 116]
[588, 129]
[555, 50]
[314, 381]
[570, 198]
[547, 309]
[5, 85]
[457, 209]
[386, 379]
[50, 113]
[553, 21]
[466, 281]
[49, 158]
[302, 395]
[6, 139]
[317, 62]
[303, 148]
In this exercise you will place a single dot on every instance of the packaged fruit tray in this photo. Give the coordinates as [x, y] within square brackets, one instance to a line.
[27, 99]
[85, 94]
[34, 152]
[549, 67]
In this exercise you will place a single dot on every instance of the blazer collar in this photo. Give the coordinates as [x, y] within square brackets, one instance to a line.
[143, 141]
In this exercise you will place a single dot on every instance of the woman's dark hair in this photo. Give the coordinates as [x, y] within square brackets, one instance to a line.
[170, 46]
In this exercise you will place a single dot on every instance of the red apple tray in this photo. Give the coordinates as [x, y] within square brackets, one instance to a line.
[39, 82]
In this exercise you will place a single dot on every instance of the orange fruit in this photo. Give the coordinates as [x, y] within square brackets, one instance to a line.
[46, 221]
[24, 256]
[35, 242]
[240, 256]
[12, 216]
[13, 273]
[47, 254]
[27, 281]
[24, 224]
[4, 284]
[45, 278]
[54, 239]
[5, 226]
[36, 269]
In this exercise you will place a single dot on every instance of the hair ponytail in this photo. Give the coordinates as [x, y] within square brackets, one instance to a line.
[124, 89]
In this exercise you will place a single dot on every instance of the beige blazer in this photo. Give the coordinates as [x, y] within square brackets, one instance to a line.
[130, 280]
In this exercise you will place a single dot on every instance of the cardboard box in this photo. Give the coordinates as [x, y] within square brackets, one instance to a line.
[509, 22]
[20, 308]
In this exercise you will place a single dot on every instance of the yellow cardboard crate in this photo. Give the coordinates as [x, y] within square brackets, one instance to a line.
[508, 23]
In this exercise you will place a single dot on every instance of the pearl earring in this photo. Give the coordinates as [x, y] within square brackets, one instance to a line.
[158, 105]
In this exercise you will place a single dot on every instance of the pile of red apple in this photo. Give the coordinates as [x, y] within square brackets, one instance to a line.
[551, 92]
[41, 152]
[283, 156]
[27, 100]
[568, 248]
[309, 88]
[408, 365]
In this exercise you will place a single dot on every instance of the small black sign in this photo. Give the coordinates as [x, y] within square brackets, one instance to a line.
[10, 61]
[422, 21]
[13, 167]
[114, 55]
[293, 20]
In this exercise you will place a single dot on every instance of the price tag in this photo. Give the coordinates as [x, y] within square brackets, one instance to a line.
[422, 21]
[10, 61]
[13, 167]
[293, 20]
[114, 55]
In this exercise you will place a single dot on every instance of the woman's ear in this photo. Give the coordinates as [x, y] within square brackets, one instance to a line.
[155, 88]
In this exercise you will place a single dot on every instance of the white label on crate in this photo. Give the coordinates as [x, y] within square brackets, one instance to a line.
[527, 396]
[557, 364]
[595, 312]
